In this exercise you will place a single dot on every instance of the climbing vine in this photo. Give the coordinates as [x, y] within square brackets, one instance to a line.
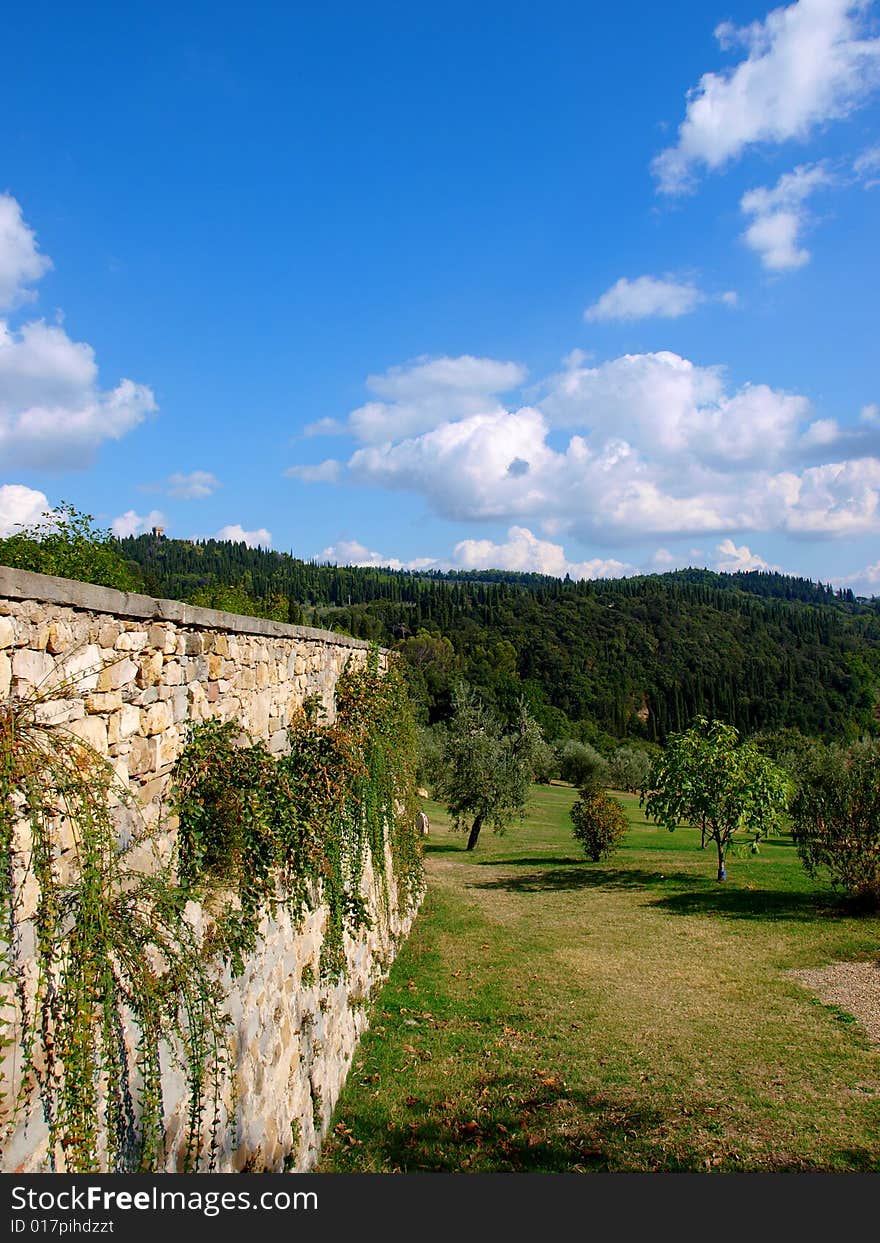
[257, 831]
[102, 975]
[112, 954]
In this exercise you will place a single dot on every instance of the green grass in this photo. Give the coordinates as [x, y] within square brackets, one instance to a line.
[550, 1014]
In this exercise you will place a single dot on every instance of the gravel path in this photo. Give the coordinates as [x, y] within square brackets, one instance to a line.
[853, 986]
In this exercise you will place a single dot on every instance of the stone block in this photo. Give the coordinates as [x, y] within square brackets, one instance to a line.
[156, 636]
[149, 668]
[32, 667]
[92, 730]
[103, 701]
[115, 676]
[131, 641]
[7, 632]
[155, 719]
[108, 634]
[59, 638]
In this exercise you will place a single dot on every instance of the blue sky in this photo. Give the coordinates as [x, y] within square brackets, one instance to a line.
[564, 287]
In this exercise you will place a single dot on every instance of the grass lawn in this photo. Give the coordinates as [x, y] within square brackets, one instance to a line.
[550, 1014]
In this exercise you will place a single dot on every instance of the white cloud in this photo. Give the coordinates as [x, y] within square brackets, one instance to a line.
[132, 523]
[645, 297]
[53, 416]
[780, 216]
[867, 167]
[870, 414]
[261, 538]
[805, 64]
[864, 582]
[21, 263]
[322, 472]
[20, 506]
[192, 487]
[424, 394]
[352, 552]
[655, 445]
[673, 409]
[526, 553]
[731, 559]
[324, 427]
[836, 499]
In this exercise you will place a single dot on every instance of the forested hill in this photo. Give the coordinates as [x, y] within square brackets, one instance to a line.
[632, 657]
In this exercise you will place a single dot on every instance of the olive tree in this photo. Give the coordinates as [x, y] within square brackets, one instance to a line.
[707, 776]
[836, 818]
[484, 771]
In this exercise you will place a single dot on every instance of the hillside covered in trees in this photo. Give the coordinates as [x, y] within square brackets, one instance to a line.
[636, 657]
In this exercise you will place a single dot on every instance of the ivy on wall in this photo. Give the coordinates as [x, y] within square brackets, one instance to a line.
[102, 970]
[91, 947]
[257, 831]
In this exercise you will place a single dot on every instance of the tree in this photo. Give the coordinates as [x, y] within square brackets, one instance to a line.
[66, 544]
[707, 776]
[836, 818]
[599, 823]
[581, 764]
[484, 773]
[629, 769]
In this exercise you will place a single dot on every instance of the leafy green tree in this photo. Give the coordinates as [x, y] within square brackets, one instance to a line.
[545, 764]
[234, 598]
[66, 544]
[484, 772]
[708, 777]
[629, 769]
[836, 818]
[599, 823]
[581, 764]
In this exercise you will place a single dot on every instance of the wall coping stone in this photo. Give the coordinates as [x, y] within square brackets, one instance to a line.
[46, 588]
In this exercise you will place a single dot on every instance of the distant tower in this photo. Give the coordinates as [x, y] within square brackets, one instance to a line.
[159, 532]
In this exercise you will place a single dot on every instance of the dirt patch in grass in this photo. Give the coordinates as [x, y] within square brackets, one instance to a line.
[852, 987]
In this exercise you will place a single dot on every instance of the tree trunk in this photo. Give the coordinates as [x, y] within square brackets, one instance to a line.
[475, 832]
[722, 870]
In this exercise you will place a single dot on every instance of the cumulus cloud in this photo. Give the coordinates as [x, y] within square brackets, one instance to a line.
[261, 538]
[352, 552]
[864, 582]
[644, 444]
[645, 297]
[780, 216]
[671, 408]
[425, 393]
[21, 263]
[192, 487]
[732, 558]
[327, 471]
[53, 415]
[132, 523]
[20, 506]
[526, 553]
[804, 65]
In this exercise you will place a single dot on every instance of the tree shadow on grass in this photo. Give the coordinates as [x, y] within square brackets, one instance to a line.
[764, 904]
[514, 1123]
[701, 895]
[587, 876]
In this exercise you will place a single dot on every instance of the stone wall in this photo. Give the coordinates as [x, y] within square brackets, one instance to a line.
[138, 670]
